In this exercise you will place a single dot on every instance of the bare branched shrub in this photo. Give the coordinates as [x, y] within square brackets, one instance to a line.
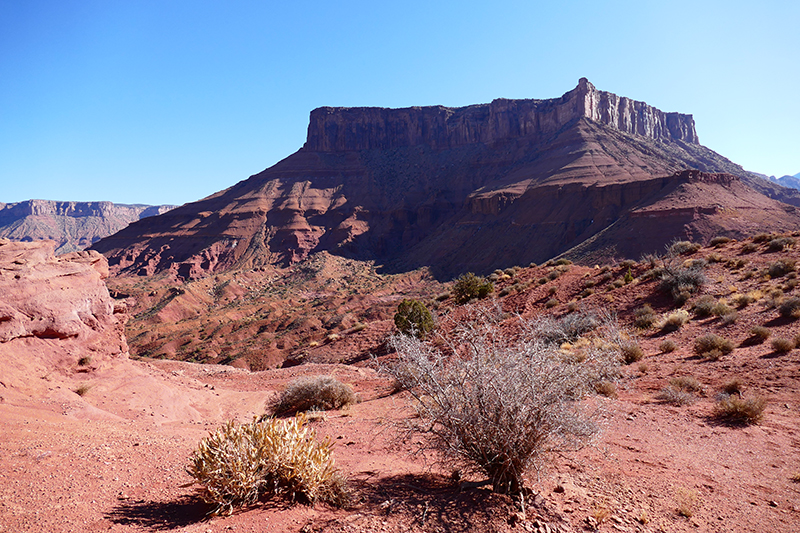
[565, 329]
[497, 403]
[238, 464]
[318, 392]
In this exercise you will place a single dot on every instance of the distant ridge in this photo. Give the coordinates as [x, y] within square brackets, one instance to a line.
[72, 225]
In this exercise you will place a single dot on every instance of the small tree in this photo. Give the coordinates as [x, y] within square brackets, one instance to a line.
[469, 286]
[413, 318]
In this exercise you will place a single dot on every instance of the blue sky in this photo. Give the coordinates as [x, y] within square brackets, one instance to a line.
[169, 101]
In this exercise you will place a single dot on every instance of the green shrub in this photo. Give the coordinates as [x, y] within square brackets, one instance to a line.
[706, 345]
[238, 464]
[413, 318]
[469, 286]
[318, 392]
[738, 410]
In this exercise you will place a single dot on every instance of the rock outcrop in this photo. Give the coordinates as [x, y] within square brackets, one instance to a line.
[473, 188]
[72, 225]
[54, 311]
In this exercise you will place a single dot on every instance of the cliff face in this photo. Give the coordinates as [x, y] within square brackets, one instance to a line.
[72, 225]
[335, 129]
[474, 188]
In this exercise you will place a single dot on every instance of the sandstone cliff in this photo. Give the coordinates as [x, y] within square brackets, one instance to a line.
[336, 129]
[473, 188]
[72, 225]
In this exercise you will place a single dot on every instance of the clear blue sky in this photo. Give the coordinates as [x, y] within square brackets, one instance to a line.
[168, 101]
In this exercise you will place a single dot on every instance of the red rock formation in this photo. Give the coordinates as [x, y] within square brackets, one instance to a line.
[53, 312]
[472, 188]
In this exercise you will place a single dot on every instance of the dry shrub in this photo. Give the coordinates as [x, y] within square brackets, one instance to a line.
[782, 345]
[675, 396]
[780, 243]
[82, 389]
[631, 352]
[318, 392]
[721, 309]
[682, 281]
[738, 410]
[743, 300]
[763, 237]
[749, 248]
[712, 346]
[733, 386]
[718, 241]
[504, 402]
[606, 388]
[686, 501]
[668, 346]
[673, 321]
[759, 334]
[790, 308]
[565, 329]
[552, 302]
[238, 464]
[781, 267]
[683, 247]
[644, 317]
[704, 306]
[687, 383]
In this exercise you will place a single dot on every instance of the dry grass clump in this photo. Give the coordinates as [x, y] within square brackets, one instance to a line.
[790, 308]
[317, 392]
[733, 386]
[505, 402]
[552, 302]
[743, 300]
[782, 345]
[683, 248]
[687, 383]
[668, 346]
[763, 237]
[738, 410]
[674, 321]
[675, 396]
[749, 248]
[238, 464]
[712, 346]
[82, 389]
[759, 334]
[704, 306]
[780, 243]
[719, 241]
[606, 388]
[631, 352]
[686, 501]
[644, 317]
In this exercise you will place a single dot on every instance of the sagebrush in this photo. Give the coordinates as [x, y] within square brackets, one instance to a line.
[317, 392]
[238, 464]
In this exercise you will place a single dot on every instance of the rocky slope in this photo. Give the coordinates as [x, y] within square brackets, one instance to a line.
[471, 188]
[72, 225]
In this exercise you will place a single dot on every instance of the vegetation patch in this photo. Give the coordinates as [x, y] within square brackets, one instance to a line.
[738, 410]
[707, 345]
[318, 392]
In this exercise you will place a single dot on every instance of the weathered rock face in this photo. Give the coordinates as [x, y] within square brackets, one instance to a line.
[336, 129]
[72, 225]
[473, 188]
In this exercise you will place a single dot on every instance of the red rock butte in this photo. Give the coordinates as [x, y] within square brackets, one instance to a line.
[459, 189]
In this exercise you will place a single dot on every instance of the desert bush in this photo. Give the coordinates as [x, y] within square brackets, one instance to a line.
[735, 264]
[552, 302]
[631, 352]
[81, 389]
[732, 386]
[318, 392]
[563, 262]
[682, 247]
[721, 309]
[606, 388]
[782, 345]
[729, 318]
[675, 396]
[503, 404]
[687, 383]
[714, 258]
[763, 237]
[781, 267]
[469, 286]
[706, 345]
[667, 346]
[703, 306]
[238, 464]
[790, 308]
[749, 248]
[719, 240]
[674, 321]
[681, 281]
[779, 244]
[644, 317]
[573, 306]
[759, 333]
[565, 329]
[743, 300]
[738, 410]
[413, 318]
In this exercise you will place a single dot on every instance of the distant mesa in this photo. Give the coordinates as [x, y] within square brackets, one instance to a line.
[72, 225]
[474, 188]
